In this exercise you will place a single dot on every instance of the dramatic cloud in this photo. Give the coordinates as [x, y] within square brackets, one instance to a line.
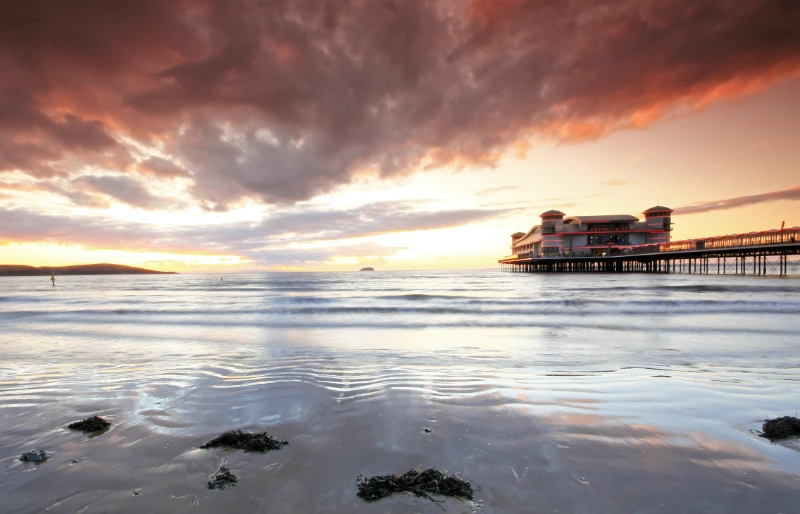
[284, 100]
[739, 201]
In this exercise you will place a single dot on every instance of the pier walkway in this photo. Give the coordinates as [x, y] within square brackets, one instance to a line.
[755, 253]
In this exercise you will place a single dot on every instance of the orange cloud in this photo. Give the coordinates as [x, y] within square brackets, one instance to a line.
[284, 101]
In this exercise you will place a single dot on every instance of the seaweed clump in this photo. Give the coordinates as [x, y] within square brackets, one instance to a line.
[92, 424]
[258, 442]
[222, 478]
[418, 482]
[781, 428]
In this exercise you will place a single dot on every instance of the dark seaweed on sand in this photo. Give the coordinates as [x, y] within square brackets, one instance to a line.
[781, 428]
[92, 424]
[246, 441]
[418, 482]
[222, 478]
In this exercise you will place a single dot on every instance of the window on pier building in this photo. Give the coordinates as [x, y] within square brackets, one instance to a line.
[619, 225]
[548, 227]
[618, 239]
[551, 250]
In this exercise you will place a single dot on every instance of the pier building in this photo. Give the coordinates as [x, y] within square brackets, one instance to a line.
[622, 243]
[586, 236]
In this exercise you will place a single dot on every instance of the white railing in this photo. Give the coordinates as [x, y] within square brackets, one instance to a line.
[765, 238]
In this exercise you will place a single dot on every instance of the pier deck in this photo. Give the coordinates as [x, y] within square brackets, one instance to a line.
[763, 253]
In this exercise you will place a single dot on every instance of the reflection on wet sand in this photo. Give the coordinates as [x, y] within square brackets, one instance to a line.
[522, 455]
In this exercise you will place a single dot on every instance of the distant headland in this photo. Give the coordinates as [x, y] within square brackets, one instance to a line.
[367, 269]
[18, 270]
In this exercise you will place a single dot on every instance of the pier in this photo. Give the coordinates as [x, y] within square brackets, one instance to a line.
[756, 253]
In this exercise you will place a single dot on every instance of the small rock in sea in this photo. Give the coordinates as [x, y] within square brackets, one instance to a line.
[92, 424]
[428, 430]
[34, 455]
[781, 428]
[258, 442]
[137, 492]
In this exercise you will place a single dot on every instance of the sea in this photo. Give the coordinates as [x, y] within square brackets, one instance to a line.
[570, 393]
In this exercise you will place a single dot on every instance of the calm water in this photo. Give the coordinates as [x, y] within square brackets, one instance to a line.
[552, 393]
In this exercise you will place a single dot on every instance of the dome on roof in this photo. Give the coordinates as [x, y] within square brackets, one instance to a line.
[552, 212]
[657, 208]
[517, 235]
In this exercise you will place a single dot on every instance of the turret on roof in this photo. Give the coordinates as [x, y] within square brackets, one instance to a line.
[657, 208]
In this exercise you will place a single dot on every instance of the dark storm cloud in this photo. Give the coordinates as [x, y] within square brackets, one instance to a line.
[284, 100]
[739, 201]
[275, 235]
[35, 142]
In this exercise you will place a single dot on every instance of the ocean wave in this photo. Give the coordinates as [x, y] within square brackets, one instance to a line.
[92, 327]
[471, 306]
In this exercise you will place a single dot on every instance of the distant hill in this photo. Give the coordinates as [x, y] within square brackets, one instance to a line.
[18, 270]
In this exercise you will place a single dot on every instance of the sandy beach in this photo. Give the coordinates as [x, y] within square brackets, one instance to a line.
[560, 408]
[462, 256]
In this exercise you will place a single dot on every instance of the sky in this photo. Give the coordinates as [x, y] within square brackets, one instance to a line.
[230, 135]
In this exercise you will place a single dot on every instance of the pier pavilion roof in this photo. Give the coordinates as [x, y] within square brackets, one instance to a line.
[607, 218]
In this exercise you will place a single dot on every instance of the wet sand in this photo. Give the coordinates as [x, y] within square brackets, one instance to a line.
[583, 420]
[548, 445]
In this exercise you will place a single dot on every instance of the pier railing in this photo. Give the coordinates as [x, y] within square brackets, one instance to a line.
[749, 240]
[768, 237]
